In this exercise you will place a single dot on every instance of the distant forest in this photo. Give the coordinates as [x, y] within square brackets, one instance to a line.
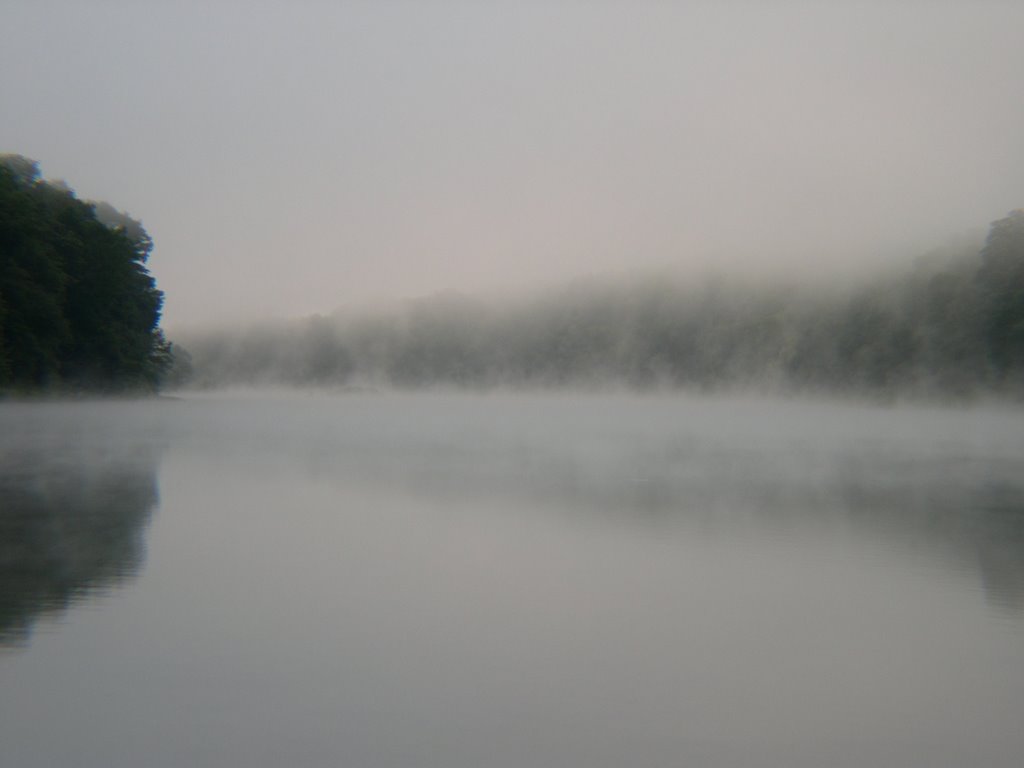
[949, 326]
[78, 309]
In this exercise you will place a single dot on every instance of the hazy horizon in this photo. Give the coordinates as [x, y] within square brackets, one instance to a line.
[293, 159]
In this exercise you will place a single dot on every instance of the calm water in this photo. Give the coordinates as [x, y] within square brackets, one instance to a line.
[509, 581]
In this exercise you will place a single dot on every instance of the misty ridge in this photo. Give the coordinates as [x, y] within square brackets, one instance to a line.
[948, 325]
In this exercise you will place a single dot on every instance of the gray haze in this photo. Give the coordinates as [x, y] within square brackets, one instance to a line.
[293, 158]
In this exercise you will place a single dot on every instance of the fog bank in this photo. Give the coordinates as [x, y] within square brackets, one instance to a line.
[947, 325]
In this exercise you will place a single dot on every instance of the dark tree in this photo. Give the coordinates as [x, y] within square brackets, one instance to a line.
[1001, 277]
[78, 308]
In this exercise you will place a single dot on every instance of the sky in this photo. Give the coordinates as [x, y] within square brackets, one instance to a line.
[292, 158]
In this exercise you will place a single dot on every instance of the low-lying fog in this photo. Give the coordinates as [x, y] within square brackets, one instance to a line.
[944, 325]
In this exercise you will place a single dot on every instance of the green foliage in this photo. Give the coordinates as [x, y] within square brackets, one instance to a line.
[78, 309]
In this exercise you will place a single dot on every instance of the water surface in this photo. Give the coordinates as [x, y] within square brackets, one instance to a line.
[442, 580]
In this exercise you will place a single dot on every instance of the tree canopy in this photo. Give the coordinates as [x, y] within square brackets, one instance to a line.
[1001, 279]
[79, 310]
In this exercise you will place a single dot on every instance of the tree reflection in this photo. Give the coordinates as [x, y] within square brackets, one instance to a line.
[72, 524]
[967, 510]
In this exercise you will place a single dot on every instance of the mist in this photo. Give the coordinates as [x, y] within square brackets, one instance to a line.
[485, 384]
[942, 326]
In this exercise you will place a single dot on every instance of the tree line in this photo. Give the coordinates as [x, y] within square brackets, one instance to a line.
[79, 311]
[951, 325]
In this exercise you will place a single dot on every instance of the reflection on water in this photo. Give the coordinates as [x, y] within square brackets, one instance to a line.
[78, 483]
[73, 513]
[976, 519]
[457, 582]
[940, 491]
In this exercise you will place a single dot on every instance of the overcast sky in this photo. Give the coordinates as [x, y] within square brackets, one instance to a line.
[291, 158]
